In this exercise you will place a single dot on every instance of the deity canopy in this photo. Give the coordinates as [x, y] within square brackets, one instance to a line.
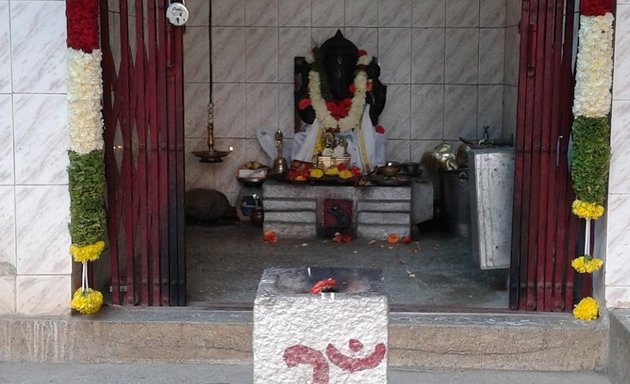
[340, 94]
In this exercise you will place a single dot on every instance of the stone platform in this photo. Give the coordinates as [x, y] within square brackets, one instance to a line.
[336, 337]
[298, 211]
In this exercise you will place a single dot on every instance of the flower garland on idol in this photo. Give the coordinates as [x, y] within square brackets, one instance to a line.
[346, 115]
[86, 172]
[590, 130]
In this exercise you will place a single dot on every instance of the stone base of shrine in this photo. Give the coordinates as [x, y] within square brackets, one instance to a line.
[305, 211]
[334, 338]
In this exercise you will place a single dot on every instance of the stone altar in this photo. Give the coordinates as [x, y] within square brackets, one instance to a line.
[297, 210]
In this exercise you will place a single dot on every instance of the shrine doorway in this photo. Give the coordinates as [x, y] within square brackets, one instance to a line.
[462, 84]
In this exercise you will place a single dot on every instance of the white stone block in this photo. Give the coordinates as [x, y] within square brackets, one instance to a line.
[337, 337]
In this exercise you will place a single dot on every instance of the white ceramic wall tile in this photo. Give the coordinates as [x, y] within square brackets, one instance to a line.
[620, 151]
[462, 49]
[427, 50]
[6, 138]
[492, 13]
[286, 111]
[7, 228]
[328, 13]
[198, 175]
[491, 55]
[320, 35]
[427, 111]
[394, 51]
[462, 13]
[41, 139]
[292, 42]
[460, 112]
[362, 13]
[618, 241]
[199, 12]
[421, 149]
[364, 38]
[38, 46]
[512, 44]
[223, 177]
[7, 294]
[618, 296]
[196, 52]
[490, 110]
[228, 12]
[512, 12]
[196, 97]
[428, 13]
[228, 54]
[229, 110]
[42, 217]
[261, 13]
[294, 13]
[621, 84]
[394, 13]
[43, 295]
[261, 54]
[510, 95]
[5, 53]
[261, 108]
[256, 153]
[397, 150]
[396, 115]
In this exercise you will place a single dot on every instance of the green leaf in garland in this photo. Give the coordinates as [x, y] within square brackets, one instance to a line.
[590, 158]
[86, 184]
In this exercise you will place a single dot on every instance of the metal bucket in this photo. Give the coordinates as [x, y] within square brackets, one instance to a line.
[456, 201]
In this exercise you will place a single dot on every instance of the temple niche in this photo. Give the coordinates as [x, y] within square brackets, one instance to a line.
[448, 73]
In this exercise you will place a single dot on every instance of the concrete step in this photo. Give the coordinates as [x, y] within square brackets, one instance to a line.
[534, 342]
[166, 373]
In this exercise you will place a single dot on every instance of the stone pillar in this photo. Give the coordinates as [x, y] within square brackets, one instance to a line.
[338, 337]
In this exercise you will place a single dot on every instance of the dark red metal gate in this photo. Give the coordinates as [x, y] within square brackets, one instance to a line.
[144, 140]
[544, 230]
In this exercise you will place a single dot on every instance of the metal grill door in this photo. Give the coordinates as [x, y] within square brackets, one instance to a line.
[144, 140]
[543, 229]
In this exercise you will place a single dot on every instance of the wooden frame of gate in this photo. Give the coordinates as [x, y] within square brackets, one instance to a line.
[544, 229]
[144, 144]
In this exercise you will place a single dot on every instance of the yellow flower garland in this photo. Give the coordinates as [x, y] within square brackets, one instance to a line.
[87, 253]
[586, 309]
[585, 210]
[585, 264]
[86, 302]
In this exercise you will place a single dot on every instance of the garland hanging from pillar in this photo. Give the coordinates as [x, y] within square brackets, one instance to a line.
[86, 172]
[590, 131]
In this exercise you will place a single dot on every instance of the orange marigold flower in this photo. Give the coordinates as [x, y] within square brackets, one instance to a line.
[270, 237]
[392, 238]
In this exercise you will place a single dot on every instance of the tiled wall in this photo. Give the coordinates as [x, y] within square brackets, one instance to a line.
[34, 264]
[618, 227]
[442, 60]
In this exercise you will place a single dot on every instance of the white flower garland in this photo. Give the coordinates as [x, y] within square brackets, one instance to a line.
[326, 120]
[85, 89]
[594, 66]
